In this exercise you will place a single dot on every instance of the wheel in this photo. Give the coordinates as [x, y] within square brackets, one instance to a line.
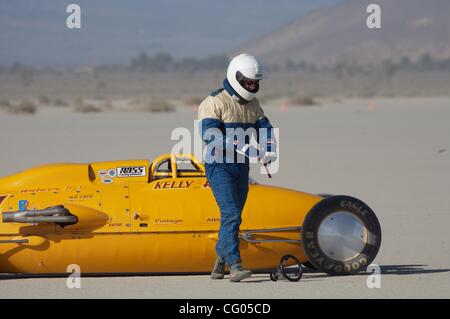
[309, 265]
[273, 276]
[290, 268]
[341, 235]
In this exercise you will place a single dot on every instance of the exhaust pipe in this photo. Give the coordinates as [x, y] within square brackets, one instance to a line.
[56, 214]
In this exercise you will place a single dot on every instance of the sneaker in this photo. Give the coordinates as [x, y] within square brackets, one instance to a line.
[237, 273]
[219, 269]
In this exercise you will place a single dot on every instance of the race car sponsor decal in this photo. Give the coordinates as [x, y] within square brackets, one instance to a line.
[23, 204]
[160, 221]
[39, 190]
[349, 204]
[2, 198]
[75, 188]
[80, 197]
[112, 173]
[102, 174]
[131, 171]
[107, 181]
[172, 184]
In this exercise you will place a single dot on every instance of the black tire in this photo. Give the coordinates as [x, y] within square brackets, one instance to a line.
[310, 228]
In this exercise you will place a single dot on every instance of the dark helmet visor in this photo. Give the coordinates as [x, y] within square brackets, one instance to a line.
[250, 85]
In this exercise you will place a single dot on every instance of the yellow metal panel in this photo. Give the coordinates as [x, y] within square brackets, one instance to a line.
[147, 252]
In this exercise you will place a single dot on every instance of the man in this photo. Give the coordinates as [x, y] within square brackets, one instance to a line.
[233, 107]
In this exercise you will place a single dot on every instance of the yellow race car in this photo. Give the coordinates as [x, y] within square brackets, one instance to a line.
[134, 216]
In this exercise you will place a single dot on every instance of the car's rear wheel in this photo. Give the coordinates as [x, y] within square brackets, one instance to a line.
[341, 235]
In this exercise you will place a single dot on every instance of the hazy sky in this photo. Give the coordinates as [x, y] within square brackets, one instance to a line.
[34, 31]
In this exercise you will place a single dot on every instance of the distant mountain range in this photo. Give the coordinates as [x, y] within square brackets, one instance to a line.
[34, 32]
[338, 33]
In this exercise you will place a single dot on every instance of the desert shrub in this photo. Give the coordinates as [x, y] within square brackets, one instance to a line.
[135, 102]
[153, 105]
[24, 107]
[303, 100]
[82, 107]
[156, 105]
[5, 103]
[108, 104]
[44, 99]
[193, 101]
[79, 102]
[60, 102]
[87, 108]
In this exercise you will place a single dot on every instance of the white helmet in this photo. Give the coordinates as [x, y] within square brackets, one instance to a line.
[244, 67]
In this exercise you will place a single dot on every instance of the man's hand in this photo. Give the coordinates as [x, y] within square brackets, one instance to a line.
[269, 157]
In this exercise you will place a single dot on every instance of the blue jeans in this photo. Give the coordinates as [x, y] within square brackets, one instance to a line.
[229, 183]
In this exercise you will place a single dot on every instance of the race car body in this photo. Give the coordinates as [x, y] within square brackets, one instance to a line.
[161, 217]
